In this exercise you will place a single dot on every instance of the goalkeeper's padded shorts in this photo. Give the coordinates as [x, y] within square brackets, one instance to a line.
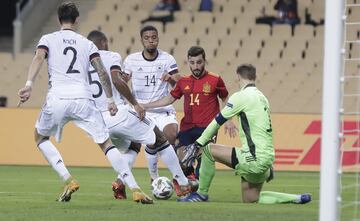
[253, 171]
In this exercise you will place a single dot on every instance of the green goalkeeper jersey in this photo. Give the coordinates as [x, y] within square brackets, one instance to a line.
[252, 109]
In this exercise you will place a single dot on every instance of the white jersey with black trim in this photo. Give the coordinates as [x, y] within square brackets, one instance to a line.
[69, 55]
[147, 85]
[111, 61]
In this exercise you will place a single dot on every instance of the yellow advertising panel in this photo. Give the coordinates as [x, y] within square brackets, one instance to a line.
[297, 140]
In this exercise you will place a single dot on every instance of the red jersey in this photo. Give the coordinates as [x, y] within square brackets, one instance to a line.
[201, 103]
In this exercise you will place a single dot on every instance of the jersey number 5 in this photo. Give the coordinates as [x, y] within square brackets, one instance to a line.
[70, 70]
[91, 81]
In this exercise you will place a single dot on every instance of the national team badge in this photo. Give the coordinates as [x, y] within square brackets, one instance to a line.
[159, 67]
[207, 88]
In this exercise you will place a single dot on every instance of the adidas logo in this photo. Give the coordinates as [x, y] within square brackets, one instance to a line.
[187, 87]
[59, 161]
[125, 175]
[140, 69]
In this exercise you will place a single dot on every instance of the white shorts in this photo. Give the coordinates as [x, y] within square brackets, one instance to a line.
[162, 119]
[126, 127]
[57, 112]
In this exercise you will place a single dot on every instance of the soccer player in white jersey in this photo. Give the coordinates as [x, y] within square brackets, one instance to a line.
[69, 97]
[153, 72]
[130, 126]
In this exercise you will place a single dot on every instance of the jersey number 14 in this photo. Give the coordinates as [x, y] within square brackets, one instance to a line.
[150, 81]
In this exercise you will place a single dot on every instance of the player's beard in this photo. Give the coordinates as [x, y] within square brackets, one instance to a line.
[198, 72]
[151, 50]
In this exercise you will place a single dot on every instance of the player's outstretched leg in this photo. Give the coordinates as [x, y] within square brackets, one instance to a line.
[207, 171]
[70, 187]
[120, 165]
[169, 157]
[54, 158]
[269, 197]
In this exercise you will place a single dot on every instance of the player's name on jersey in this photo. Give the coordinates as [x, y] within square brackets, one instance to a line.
[69, 41]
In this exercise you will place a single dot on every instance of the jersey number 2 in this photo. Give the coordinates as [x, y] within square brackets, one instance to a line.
[70, 70]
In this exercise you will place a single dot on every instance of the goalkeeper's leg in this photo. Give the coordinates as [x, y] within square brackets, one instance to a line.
[207, 171]
[252, 193]
[212, 153]
[269, 197]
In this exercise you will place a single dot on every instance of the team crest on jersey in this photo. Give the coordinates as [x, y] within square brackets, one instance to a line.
[206, 88]
[159, 67]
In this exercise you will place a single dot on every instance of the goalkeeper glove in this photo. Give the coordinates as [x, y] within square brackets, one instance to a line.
[191, 153]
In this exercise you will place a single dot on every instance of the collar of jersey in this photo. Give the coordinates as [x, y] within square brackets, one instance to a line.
[157, 54]
[67, 29]
[248, 85]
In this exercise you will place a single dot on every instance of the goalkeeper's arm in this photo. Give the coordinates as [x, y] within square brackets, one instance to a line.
[211, 130]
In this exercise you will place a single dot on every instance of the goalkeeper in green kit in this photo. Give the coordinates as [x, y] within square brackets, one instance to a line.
[253, 162]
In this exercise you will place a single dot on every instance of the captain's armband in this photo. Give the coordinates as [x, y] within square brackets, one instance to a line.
[220, 119]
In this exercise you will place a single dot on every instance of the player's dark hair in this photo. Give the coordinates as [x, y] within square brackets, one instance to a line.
[247, 71]
[148, 28]
[195, 51]
[68, 12]
[97, 37]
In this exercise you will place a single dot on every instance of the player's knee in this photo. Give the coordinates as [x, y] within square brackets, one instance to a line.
[170, 133]
[135, 147]
[153, 149]
[160, 138]
[106, 146]
[251, 199]
[39, 138]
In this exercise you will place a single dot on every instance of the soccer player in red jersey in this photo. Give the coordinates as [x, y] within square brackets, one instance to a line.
[201, 90]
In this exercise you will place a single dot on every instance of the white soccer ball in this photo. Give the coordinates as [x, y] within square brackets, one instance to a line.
[162, 188]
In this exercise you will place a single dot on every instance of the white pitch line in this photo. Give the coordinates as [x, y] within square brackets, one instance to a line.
[45, 193]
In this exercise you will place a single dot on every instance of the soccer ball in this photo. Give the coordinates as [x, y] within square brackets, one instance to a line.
[162, 188]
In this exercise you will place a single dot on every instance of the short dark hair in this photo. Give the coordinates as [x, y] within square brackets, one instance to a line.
[247, 71]
[96, 37]
[68, 12]
[148, 28]
[195, 51]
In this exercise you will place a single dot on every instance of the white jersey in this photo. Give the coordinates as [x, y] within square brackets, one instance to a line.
[147, 85]
[69, 56]
[111, 61]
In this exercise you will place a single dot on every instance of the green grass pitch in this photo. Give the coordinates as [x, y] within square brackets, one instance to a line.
[29, 193]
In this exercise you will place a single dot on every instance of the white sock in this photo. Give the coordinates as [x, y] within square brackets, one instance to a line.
[54, 158]
[119, 163]
[169, 157]
[153, 165]
[130, 156]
